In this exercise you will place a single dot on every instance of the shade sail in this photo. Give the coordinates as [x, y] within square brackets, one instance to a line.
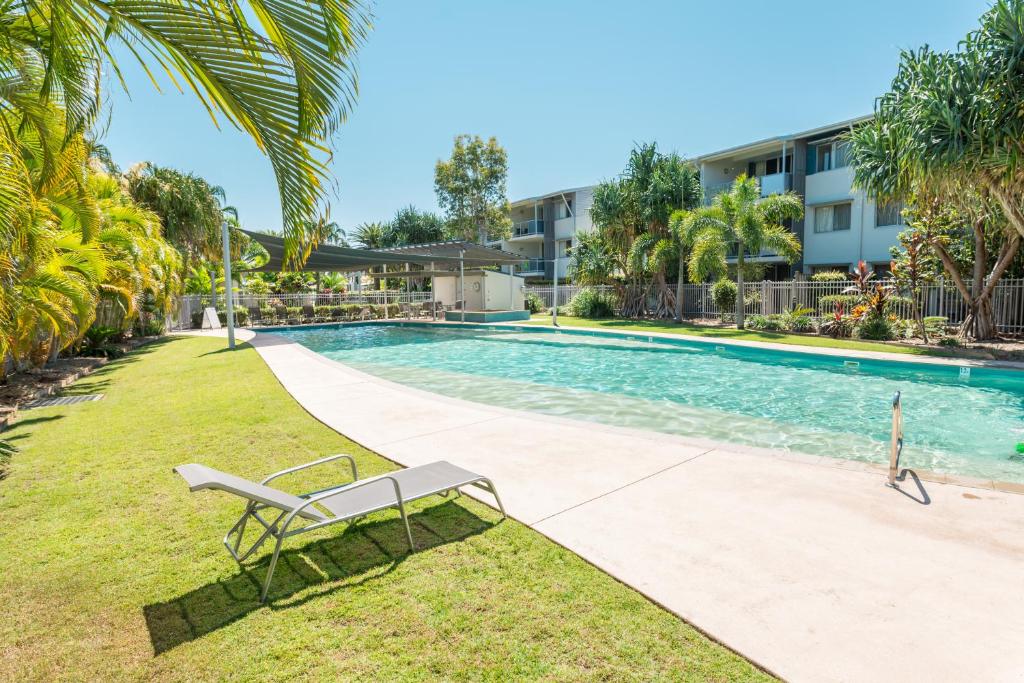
[475, 254]
[329, 258]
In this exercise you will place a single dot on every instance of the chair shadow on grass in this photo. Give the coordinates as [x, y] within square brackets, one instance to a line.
[361, 553]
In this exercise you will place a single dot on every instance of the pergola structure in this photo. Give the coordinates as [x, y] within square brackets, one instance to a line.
[330, 258]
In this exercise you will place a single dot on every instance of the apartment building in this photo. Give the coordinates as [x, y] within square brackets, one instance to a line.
[840, 227]
[544, 229]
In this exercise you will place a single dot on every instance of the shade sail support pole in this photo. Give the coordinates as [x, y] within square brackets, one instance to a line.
[229, 298]
[462, 284]
[433, 294]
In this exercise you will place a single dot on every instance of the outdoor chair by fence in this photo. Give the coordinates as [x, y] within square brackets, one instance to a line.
[342, 503]
[255, 316]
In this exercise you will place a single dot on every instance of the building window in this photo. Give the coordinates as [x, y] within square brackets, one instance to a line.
[889, 213]
[830, 155]
[832, 217]
[563, 209]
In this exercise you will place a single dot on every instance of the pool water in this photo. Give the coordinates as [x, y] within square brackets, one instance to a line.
[799, 402]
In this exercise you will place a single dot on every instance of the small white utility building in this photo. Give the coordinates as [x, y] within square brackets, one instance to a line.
[485, 290]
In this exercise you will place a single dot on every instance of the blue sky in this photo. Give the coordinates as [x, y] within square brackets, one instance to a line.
[566, 86]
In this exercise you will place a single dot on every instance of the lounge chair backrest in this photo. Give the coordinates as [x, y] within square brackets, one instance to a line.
[307, 309]
[202, 477]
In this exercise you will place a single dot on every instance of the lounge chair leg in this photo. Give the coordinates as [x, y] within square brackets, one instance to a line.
[408, 530]
[270, 569]
[494, 492]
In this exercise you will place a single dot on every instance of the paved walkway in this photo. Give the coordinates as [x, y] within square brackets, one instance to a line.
[808, 566]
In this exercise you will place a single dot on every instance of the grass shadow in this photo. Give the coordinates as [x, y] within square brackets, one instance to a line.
[239, 346]
[330, 564]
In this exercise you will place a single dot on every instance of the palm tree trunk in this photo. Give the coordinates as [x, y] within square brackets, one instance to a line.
[740, 304]
[679, 287]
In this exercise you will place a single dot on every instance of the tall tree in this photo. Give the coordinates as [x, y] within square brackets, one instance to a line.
[373, 236]
[632, 213]
[190, 208]
[742, 218]
[471, 188]
[410, 226]
[914, 267]
[948, 138]
[281, 72]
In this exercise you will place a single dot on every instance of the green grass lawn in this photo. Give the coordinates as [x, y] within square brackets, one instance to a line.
[729, 333]
[111, 570]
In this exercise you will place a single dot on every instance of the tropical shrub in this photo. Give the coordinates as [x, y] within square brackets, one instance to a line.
[378, 310]
[830, 276]
[241, 316]
[798, 320]
[99, 342]
[589, 303]
[767, 323]
[153, 328]
[533, 302]
[838, 324]
[351, 311]
[935, 324]
[830, 301]
[723, 294]
[876, 328]
[257, 286]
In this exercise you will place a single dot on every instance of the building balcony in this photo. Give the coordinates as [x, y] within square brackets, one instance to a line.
[531, 229]
[532, 266]
[776, 183]
[764, 254]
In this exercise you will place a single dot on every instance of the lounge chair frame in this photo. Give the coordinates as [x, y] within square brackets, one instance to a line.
[281, 528]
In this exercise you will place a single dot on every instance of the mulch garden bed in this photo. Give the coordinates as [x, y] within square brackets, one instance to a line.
[22, 388]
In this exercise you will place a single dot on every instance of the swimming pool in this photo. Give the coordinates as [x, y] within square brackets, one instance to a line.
[792, 401]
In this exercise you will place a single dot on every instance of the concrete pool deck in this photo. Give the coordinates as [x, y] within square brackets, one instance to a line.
[807, 565]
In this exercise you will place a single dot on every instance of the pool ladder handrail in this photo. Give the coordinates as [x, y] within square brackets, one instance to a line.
[896, 443]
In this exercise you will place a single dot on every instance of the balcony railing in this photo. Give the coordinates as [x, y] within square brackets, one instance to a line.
[775, 183]
[533, 265]
[733, 250]
[528, 228]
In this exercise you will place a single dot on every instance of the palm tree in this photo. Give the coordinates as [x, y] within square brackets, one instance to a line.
[281, 72]
[742, 218]
[677, 226]
[373, 235]
[633, 214]
[190, 208]
[947, 139]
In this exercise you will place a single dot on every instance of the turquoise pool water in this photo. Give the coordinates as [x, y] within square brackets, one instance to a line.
[800, 402]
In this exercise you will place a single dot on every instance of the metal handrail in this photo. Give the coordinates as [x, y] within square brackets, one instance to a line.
[896, 443]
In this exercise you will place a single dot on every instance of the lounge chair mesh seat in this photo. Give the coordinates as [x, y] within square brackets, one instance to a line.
[415, 482]
[344, 503]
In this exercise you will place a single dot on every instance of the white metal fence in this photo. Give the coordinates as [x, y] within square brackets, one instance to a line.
[767, 298]
[762, 298]
[565, 293]
[188, 310]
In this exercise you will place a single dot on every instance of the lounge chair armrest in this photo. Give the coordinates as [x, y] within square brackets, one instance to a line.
[321, 461]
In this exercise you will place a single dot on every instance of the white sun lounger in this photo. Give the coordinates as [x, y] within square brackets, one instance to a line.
[321, 508]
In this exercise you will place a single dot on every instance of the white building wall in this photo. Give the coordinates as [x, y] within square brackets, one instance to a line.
[584, 202]
[863, 241]
[502, 292]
